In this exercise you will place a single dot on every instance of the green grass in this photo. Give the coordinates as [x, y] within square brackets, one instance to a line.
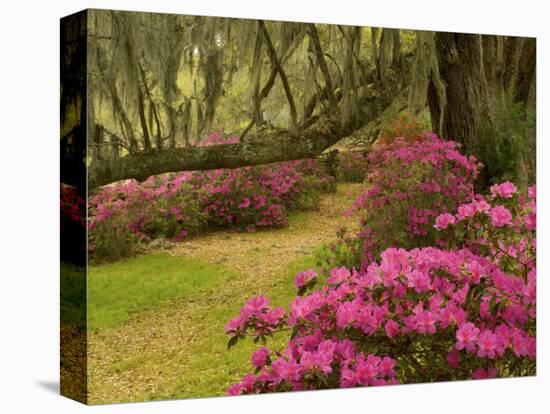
[148, 282]
[213, 368]
[118, 290]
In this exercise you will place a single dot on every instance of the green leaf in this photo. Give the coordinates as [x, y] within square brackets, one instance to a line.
[232, 342]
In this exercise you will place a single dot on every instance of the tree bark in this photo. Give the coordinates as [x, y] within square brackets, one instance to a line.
[143, 121]
[259, 97]
[526, 70]
[286, 147]
[460, 68]
[511, 46]
[396, 50]
[465, 114]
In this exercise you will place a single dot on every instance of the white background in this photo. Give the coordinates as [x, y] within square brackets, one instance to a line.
[29, 291]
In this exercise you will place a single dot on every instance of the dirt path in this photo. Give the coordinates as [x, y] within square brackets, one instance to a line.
[178, 351]
[267, 252]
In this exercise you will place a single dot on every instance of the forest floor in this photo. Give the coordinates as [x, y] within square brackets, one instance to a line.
[156, 321]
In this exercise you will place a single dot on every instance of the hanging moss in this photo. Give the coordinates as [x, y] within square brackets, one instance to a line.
[424, 75]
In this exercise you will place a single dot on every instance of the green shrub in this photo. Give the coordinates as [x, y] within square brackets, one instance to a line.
[346, 251]
[509, 144]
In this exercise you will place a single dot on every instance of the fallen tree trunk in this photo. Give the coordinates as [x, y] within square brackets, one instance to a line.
[281, 146]
[284, 147]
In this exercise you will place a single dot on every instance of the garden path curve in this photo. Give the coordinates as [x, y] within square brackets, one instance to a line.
[163, 353]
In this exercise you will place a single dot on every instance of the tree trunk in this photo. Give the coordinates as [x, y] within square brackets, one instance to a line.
[526, 70]
[283, 146]
[511, 48]
[465, 115]
[286, 147]
[143, 121]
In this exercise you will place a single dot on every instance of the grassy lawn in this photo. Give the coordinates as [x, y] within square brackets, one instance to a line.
[161, 284]
[118, 290]
[213, 367]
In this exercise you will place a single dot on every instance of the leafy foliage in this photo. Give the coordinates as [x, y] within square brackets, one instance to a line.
[509, 146]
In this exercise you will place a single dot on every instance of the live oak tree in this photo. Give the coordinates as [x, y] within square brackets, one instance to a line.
[476, 71]
[157, 83]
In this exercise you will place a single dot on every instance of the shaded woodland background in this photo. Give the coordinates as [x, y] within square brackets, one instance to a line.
[158, 83]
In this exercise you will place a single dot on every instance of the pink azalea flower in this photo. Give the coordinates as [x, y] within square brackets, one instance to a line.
[338, 275]
[345, 314]
[467, 336]
[255, 305]
[504, 190]
[425, 323]
[392, 328]
[318, 361]
[386, 367]
[530, 221]
[532, 192]
[303, 278]
[348, 378]
[420, 281]
[500, 216]
[245, 203]
[453, 358]
[487, 343]
[234, 324]
[466, 210]
[286, 370]
[443, 220]
[234, 389]
[259, 358]
[367, 370]
[481, 205]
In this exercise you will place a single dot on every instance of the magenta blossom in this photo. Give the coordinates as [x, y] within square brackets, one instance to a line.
[466, 210]
[453, 358]
[503, 190]
[467, 335]
[338, 275]
[487, 344]
[259, 358]
[443, 220]
[391, 328]
[305, 277]
[500, 216]
[532, 192]
[245, 203]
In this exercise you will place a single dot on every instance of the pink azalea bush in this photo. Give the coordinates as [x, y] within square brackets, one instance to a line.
[252, 197]
[409, 183]
[179, 205]
[424, 314]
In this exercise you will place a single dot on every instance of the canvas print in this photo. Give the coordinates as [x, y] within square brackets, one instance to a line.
[252, 206]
